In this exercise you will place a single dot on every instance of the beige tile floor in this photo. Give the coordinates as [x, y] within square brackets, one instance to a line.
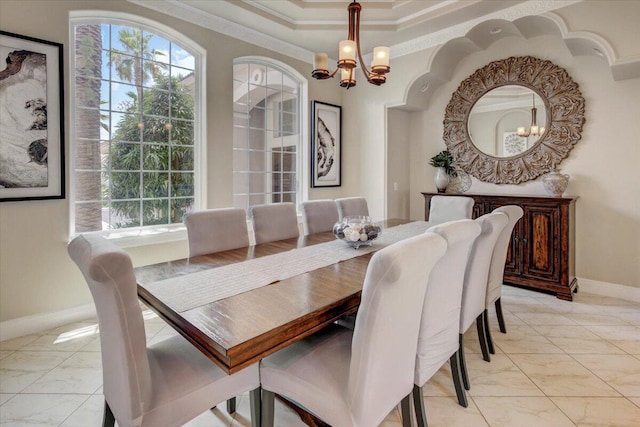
[560, 364]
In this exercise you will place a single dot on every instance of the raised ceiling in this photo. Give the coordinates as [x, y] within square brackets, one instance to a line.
[300, 27]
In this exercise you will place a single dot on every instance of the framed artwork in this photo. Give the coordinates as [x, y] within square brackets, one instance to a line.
[513, 144]
[31, 119]
[326, 144]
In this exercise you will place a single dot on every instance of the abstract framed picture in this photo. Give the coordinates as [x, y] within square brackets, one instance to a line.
[31, 119]
[326, 144]
[513, 144]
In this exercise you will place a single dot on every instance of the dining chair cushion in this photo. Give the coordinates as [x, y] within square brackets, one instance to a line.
[496, 270]
[450, 208]
[352, 206]
[216, 230]
[477, 274]
[277, 221]
[185, 383]
[438, 338]
[168, 383]
[318, 215]
[355, 378]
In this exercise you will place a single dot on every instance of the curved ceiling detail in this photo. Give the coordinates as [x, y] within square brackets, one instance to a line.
[445, 59]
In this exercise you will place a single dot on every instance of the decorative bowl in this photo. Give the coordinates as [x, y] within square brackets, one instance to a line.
[357, 231]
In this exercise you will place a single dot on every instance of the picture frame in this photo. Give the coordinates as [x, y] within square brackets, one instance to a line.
[32, 136]
[326, 145]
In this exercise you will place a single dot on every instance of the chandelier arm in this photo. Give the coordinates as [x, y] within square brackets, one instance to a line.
[365, 70]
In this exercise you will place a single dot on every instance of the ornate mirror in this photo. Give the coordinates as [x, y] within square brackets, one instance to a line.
[513, 120]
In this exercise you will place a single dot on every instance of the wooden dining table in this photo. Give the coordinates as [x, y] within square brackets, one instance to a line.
[242, 329]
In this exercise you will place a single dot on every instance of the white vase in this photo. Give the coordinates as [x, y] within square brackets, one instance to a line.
[442, 180]
[555, 183]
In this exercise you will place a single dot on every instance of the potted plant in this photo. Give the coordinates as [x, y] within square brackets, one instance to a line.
[443, 162]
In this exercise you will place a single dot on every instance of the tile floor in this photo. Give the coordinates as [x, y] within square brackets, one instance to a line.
[560, 364]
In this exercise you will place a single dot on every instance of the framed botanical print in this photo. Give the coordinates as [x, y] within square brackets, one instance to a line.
[31, 119]
[326, 144]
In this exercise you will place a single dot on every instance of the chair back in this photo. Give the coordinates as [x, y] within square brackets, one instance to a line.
[216, 230]
[499, 257]
[440, 323]
[109, 273]
[476, 276]
[386, 329]
[319, 215]
[352, 206]
[450, 208]
[277, 221]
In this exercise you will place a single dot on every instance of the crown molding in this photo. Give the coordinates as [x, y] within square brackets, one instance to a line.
[224, 26]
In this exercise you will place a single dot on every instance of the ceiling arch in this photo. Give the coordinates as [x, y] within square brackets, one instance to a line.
[444, 60]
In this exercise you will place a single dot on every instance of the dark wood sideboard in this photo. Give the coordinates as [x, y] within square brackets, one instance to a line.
[541, 254]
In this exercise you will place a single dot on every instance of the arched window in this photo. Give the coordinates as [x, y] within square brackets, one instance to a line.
[136, 125]
[269, 118]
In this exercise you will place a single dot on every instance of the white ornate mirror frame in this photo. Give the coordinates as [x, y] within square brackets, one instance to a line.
[565, 111]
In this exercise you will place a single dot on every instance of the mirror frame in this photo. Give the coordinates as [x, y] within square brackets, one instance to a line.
[564, 106]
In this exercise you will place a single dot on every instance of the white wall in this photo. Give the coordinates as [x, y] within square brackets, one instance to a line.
[604, 165]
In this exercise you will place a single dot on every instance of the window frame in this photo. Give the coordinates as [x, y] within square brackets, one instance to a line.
[302, 161]
[143, 235]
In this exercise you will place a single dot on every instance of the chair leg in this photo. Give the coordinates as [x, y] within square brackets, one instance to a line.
[231, 405]
[108, 420]
[405, 407]
[418, 405]
[267, 408]
[455, 373]
[503, 327]
[487, 333]
[482, 338]
[255, 403]
[463, 363]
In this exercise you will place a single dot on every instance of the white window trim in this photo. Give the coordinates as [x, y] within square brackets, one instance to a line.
[154, 234]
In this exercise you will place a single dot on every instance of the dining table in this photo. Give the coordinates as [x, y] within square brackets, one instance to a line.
[248, 322]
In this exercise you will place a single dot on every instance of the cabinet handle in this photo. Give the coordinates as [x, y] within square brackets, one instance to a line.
[524, 239]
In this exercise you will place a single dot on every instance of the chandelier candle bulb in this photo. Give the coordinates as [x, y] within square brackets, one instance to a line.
[320, 61]
[348, 52]
[380, 57]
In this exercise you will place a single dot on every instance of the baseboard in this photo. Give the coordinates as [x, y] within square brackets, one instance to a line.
[609, 289]
[41, 322]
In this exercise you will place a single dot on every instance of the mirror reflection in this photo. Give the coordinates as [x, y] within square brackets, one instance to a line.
[507, 121]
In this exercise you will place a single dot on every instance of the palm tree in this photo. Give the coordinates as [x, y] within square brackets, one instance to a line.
[88, 56]
[136, 63]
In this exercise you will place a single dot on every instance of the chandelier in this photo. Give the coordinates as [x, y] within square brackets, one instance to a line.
[347, 60]
[534, 129]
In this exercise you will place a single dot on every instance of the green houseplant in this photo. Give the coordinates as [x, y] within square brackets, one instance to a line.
[443, 162]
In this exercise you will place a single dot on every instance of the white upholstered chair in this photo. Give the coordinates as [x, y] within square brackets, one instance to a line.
[216, 230]
[318, 215]
[476, 277]
[352, 206]
[438, 338]
[276, 221]
[449, 208]
[355, 378]
[496, 271]
[164, 384]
